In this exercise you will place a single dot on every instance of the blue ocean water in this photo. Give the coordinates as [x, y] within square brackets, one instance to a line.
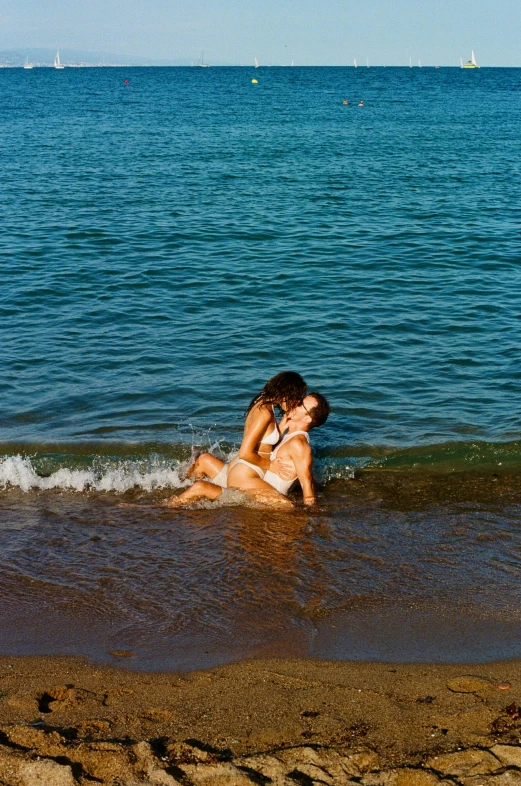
[169, 244]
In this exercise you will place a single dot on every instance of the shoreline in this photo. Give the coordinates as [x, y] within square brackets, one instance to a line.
[64, 721]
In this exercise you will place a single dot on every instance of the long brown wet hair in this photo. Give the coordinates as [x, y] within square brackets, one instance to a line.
[287, 387]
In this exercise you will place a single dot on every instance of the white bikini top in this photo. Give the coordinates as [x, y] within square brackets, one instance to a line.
[273, 438]
[273, 454]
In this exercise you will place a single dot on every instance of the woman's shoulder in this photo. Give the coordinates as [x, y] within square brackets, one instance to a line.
[260, 408]
[260, 415]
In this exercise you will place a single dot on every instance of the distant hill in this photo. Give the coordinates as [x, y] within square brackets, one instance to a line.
[13, 58]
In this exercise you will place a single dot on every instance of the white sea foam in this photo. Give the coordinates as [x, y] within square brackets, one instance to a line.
[19, 472]
[106, 475]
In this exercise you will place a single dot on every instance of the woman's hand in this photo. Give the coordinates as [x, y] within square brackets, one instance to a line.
[284, 422]
[284, 469]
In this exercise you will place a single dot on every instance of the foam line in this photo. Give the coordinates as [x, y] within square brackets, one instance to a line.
[19, 472]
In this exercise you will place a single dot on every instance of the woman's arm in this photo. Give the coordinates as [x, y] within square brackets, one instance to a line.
[255, 427]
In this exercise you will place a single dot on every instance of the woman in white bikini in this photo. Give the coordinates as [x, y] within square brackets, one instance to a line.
[290, 460]
[269, 481]
[286, 391]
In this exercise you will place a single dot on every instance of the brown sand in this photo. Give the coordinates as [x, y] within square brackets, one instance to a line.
[65, 722]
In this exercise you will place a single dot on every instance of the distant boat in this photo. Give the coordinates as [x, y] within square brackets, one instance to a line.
[256, 62]
[57, 63]
[27, 63]
[202, 64]
[410, 62]
[419, 63]
[354, 61]
[470, 63]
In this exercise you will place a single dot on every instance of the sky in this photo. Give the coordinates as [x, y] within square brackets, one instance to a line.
[309, 32]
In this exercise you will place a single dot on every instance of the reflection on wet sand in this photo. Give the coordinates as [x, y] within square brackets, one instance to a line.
[80, 574]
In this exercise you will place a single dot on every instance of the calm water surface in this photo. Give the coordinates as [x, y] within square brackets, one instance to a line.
[168, 245]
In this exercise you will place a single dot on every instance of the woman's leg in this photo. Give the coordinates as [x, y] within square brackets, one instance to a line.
[242, 477]
[200, 490]
[205, 465]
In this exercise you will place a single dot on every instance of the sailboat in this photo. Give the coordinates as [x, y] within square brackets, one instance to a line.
[27, 63]
[368, 62]
[419, 63]
[57, 63]
[470, 63]
[256, 62]
[202, 64]
[410, 62]
[354, 61]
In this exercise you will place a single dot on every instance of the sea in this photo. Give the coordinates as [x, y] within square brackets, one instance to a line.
[170, 238]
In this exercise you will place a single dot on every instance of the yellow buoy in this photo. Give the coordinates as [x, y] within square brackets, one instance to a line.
[255, 81]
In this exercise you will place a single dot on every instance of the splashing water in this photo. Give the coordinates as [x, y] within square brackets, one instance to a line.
[17, 471]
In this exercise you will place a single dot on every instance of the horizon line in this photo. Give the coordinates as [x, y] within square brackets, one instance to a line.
[86, 64]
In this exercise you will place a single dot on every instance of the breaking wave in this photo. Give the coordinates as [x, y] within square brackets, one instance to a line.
[150, 467]
[18, 471]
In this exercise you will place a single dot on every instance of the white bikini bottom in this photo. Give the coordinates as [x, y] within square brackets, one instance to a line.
[258, 470]
[221, 479]
[280, 485]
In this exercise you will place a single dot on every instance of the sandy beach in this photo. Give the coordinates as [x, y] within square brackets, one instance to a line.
[280, 721]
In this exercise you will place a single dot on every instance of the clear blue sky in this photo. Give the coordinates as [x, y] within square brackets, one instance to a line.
[310, 32]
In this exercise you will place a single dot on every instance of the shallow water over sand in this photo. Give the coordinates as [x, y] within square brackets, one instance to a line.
[389, 567]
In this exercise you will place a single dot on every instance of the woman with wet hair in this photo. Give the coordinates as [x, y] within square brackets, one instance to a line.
[268, 481]
[284, 391]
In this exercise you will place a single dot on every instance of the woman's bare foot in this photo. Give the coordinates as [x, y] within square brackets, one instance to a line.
[173, 502]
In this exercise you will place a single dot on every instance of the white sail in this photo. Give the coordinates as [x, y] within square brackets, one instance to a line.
[27, 63]
[470, 63]
[410, 62]
[419, 63]
[57, 63]
[256, 62]
[354, 61]
[368, 62]
[461, 62]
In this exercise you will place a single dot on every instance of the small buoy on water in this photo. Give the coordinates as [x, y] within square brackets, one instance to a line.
[126, 81]
[255, 81]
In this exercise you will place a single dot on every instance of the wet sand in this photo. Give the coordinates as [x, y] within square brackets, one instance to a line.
[64, 721]
[392, 566]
